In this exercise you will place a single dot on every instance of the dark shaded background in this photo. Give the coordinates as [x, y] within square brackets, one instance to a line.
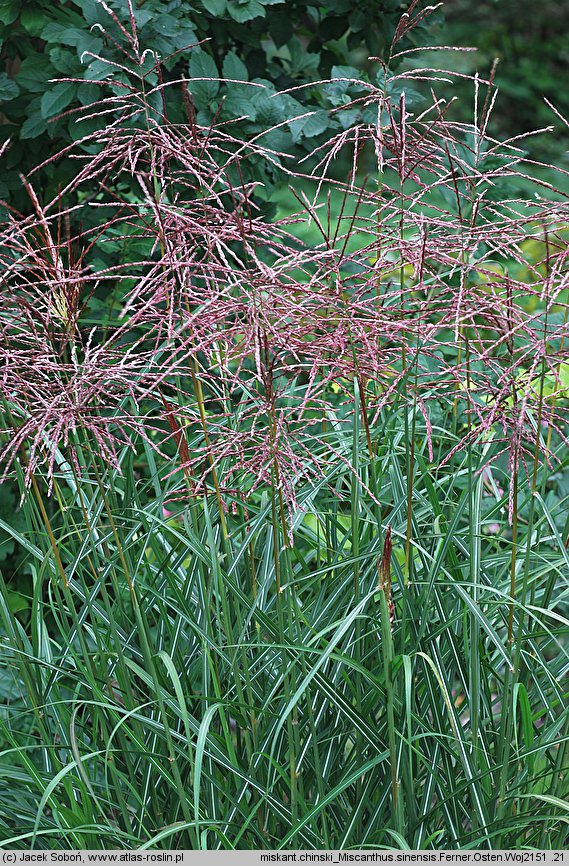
[531, 41]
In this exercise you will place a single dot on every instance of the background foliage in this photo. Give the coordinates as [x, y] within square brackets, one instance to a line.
[51, 57]
[531, 41]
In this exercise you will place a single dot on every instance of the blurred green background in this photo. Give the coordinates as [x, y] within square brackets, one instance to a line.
[52, 74]
[531, 42]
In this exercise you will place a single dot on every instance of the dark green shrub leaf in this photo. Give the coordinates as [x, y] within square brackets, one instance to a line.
[349, 117]
[33, 20]
[65, 62]
[280, 27]
[236, 105]
[34, 72]
[61, 34]
[33, 125]
[167, 34]
[88, 93]
[9, 11]
[245, 10]
[302, 62]
[8, 88]
[98, 70]
[308, 127]
[214, 7]
[202, 66]
[234, 68]
[54, 101]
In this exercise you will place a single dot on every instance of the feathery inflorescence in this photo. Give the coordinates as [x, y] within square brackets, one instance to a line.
[421, 293]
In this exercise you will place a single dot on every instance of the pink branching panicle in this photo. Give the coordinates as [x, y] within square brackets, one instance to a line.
[235, 344]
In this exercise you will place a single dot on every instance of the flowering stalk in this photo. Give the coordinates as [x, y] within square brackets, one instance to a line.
[387, 615]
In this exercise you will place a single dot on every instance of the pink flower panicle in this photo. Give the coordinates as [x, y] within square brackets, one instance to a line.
[235, 345]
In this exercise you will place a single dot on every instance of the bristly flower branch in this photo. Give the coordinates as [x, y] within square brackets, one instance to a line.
[421, 292]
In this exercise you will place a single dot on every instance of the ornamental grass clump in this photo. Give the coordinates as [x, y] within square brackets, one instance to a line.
[295, 490]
